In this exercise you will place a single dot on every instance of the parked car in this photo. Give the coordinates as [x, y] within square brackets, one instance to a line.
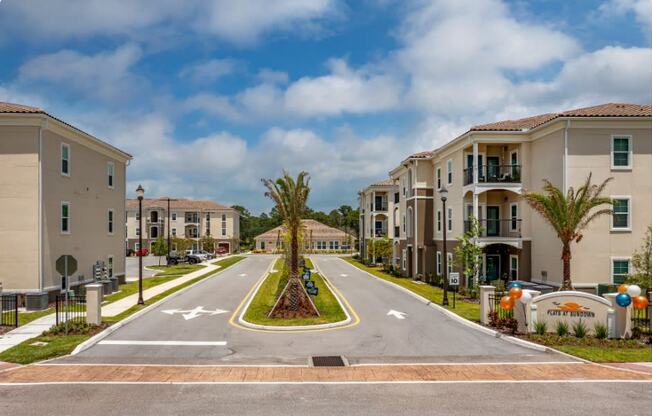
[209, 256]
[195, 255]
[130, 252]
[189, 256]
[142, 252]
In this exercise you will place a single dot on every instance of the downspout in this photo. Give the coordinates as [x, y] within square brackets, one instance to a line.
[41, 282]
[565, 179]
[415, 181]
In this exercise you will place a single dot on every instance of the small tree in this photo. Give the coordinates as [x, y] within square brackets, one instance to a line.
[468, 253]
[207, 243]
[380, 247]
[182, 244]
[642, 263]
[160, 248]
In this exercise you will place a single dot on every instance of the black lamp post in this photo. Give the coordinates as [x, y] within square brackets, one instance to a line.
[140, 192]
[443, 193]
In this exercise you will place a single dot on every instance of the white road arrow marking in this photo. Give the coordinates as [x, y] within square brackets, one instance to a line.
[194, 313]
[344, 275]
[396, 314]
[242, 275]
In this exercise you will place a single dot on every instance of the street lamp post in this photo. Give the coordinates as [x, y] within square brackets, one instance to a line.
[140, 192]
[443, 192]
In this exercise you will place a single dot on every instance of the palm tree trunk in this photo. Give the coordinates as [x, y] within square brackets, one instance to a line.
[294, 255]
[566, 258]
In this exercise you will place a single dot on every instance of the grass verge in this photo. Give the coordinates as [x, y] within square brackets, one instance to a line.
[58, 345]
[467, 310]
[326, 302]
[597, 350]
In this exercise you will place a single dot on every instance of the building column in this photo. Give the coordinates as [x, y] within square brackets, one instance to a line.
[475, 163]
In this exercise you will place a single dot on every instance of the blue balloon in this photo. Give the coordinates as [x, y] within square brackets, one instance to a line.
[514, 284]
[623, 300]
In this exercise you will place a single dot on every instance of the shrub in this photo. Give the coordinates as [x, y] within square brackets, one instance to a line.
[510, 324]
[74, 328]
[540, 328]
[562, 328]
[579, 329]
[601, 330]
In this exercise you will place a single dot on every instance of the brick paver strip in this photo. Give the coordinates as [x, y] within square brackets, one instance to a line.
[379, 373]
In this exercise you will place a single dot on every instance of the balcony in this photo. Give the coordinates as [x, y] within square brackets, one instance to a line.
[379, 207]
[506, 229]
[494, 174]
[380, 233]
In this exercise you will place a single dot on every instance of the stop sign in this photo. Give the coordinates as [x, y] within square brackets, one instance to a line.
[66, 263]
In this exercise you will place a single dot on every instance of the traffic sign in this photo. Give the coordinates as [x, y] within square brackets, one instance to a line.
[454, 279]
[313, 291]
[66, 265]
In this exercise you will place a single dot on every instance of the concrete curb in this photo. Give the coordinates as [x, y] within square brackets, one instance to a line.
[463, 321]
[108, 331]
[271, 328]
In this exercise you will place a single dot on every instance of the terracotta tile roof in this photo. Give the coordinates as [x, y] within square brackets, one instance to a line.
[178, 204]
[420, 155]
[18, 108]
[603, 110]
[384, 182]
[318, 229]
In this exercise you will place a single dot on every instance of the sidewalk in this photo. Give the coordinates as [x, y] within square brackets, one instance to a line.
[25, 332]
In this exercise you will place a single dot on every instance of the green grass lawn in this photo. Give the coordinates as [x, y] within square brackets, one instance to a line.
[27, 317]
[176, 270]
[608, 354]
[326, 303]
[468, 310]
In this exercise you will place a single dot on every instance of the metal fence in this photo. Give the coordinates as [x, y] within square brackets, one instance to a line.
[72, 311]
[9, 310]
[641, 320]
[494, 306]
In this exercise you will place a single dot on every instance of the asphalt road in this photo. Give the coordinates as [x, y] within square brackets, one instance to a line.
[424, 335]
[533, 399]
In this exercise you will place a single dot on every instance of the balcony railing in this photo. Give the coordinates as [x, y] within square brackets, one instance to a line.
[380, 233]
[494, 174]
[379, 207]
[510, 228]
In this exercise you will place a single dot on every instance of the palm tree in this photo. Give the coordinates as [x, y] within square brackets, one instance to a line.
[569, 214]
[290, 197]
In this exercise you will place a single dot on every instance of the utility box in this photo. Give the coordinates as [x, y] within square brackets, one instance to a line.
[36, 301]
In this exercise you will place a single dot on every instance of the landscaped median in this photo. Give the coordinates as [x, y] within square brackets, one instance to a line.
[53, 344]
[256, 314]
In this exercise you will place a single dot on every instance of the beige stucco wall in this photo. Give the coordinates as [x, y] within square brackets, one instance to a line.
[19, 246]
[90, 197]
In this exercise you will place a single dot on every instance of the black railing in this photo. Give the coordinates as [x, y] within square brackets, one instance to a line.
[73, 311]
[9, 309]
[380, 233]
[494, 174]
[510, 228]
[641, 320]
[494, 306]
[379, 207]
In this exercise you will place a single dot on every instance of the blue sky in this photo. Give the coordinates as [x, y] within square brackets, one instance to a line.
[211, 96]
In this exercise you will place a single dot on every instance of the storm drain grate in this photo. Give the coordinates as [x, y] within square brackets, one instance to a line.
[328, 361]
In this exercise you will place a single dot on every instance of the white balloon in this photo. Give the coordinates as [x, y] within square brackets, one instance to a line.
[633, 290]
[525, 297]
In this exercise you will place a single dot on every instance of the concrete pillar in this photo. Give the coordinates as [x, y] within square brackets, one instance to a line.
[94, 295]
[523, 313]
[485, 308]
[475, 169]
[622, 317]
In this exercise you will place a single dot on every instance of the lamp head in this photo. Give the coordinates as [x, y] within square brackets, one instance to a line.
[140, 192]
[443, 193]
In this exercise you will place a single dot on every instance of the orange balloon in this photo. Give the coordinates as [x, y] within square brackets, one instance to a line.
[506, 302]
[515, 293]
[623, 288]
[640, 302]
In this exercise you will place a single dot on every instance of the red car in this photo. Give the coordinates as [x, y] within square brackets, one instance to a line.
[142, 252]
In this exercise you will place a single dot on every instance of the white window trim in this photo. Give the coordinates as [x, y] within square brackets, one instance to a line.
[629, 215]
[449, 220]
[438, 224]
[110, 173]
[511, 222]
[438, 178]
[515, 151]
[110, 221]
[449, 262]
[449, 171]
[67, 146]
[513, 256]
[438, 261]
[61, 217]
[631, 151]
[611, 267]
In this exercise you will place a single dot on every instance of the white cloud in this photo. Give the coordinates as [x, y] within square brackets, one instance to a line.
[271, 76]
[209, 71]
[642, 9]
[105, 75]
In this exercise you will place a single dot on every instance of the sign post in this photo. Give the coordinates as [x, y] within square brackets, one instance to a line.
[66, 265]
[454, 281]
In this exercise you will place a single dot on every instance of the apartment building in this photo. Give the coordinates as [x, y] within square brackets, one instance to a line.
[485, 171]
[316, 237]
[62, 192]
[379, 214]
[186, 218]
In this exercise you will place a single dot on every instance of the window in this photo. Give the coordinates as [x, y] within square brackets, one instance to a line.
[137, 231]
[439, 263]
[65, 159]
[174, 232]
[336, 245]
[513, 209]
[409, 222]
[438, 220]
[449, 220]
[174, 216]
[619, 270]
[65, 218]
[110, 170]
[621, 217]
[449, 262]
[137, 246]
[404, 258]
[449, 170]
[513, 267]
[621, 152]
[110, 221]
[438, 178]
[137, 216]
[110, 266]
[396, 198]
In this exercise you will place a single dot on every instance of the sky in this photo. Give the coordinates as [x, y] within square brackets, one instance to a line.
[211, 96]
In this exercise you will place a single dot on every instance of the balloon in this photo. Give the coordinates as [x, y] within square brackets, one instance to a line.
[506, 302]
[640, 302]
[525, 297]
[634, 290]
[514, 284]
[623, 300]
[515, 292]
[622, 288]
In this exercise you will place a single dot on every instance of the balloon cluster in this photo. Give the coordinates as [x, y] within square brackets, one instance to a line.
[631, 295]
[515, 293]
